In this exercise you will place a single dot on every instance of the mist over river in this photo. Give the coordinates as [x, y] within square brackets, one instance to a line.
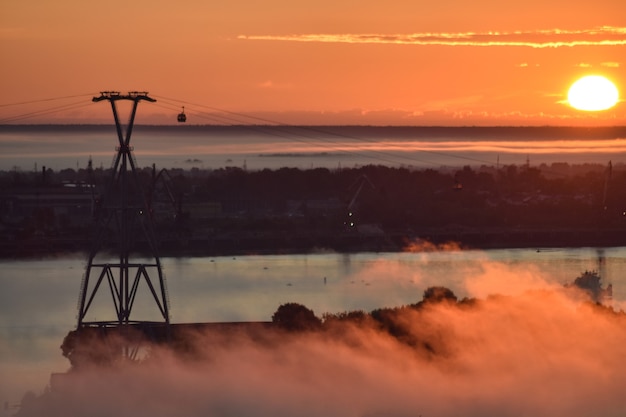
[276, 146]
[38, 297]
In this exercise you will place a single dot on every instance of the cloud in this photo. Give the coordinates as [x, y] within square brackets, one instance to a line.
[274, 85]
[602, 64]
[552, 38]
[527, 65]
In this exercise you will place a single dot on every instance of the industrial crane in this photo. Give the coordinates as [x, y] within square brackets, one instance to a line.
[359, 183]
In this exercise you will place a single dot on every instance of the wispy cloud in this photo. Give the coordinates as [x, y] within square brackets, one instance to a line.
[269, 84]
[550, 38]
[602, 64]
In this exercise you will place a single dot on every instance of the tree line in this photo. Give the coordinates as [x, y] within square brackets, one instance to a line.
[291, 200]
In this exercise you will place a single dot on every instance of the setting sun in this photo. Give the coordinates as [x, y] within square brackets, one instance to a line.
[593, 93]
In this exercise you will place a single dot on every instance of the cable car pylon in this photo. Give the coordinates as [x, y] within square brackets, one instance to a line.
[124, 224]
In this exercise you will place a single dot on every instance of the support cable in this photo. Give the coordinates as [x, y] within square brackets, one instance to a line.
[52, 110]
[46, 99]
[273, 123]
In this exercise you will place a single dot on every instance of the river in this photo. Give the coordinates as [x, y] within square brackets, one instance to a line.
[39, 297]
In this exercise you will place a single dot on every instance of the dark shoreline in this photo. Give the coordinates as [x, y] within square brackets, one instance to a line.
[369, 209]
[273, 243]
[434, 131]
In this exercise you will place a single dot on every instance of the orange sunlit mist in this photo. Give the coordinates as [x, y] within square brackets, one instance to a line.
[475, 358]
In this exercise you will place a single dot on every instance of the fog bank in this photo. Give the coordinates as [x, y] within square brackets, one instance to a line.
[535, 351]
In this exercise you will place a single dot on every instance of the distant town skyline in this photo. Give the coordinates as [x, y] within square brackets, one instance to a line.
[446, 63]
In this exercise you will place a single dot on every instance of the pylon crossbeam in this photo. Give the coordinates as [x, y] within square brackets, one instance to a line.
[116, 95]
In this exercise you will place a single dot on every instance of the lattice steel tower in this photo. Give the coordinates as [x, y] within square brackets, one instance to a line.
[124, 224]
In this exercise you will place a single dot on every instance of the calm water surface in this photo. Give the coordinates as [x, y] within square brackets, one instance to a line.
[38, 298]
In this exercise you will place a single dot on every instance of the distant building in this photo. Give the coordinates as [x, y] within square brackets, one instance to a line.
[71, 204]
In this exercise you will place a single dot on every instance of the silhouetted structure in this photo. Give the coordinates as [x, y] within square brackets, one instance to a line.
[123, 217]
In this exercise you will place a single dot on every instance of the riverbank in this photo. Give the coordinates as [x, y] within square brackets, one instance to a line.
[277, 242]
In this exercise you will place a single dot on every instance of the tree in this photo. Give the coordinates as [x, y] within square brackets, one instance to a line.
[295, 317]
[438, 294]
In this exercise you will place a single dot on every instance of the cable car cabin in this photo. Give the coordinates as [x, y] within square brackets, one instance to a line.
[182, 117]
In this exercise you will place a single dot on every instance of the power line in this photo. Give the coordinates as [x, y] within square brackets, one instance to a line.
[46, 99]
[304, 134]
[48, 110]
[272, 130]
[326, 132]
[65, 107]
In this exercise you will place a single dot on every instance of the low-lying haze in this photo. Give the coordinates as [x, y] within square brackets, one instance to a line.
[517, 350]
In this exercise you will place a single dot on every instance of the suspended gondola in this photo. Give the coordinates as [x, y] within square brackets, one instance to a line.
[182, 117]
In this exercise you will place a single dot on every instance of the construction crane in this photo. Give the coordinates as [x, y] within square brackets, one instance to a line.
[164, 177]
[361, 182]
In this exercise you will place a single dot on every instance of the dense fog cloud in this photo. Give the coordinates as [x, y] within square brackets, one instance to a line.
[532, 351]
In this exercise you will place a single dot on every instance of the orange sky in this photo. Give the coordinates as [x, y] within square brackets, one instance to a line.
[444, 62]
